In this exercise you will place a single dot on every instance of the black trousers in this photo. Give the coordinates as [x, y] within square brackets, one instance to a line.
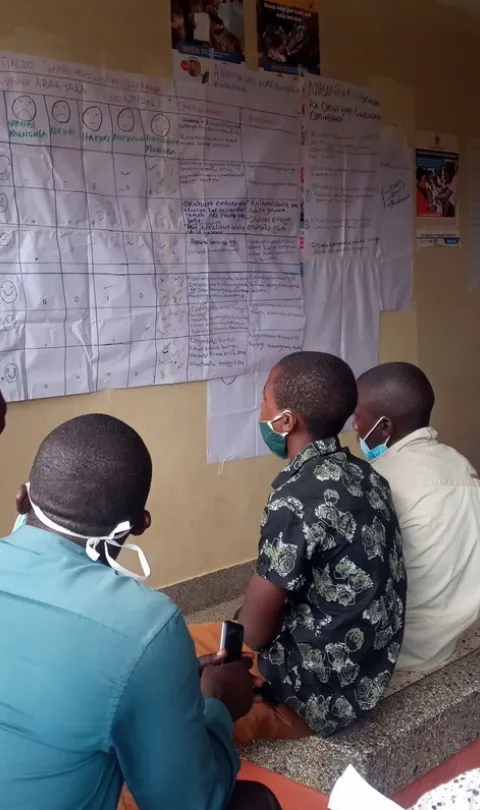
[253, 796]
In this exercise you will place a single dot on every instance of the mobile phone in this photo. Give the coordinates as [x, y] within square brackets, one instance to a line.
[231, 640]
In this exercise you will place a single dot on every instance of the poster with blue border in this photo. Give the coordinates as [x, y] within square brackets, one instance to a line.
[437, 166]
[288, 36]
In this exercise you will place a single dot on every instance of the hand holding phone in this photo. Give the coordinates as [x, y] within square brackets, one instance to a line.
[231, 640]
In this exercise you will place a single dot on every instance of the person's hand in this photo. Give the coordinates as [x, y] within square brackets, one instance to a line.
[233, 685]
[212, 660]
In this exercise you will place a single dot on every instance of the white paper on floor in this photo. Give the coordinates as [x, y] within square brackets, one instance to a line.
[352, 792]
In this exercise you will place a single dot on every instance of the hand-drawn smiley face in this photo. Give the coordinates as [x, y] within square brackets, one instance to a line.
[5, 167]
[126, 120]
[5, 239]
[24, 108]
[93, 118]
[8, 291]
[3, 203]
[10, 372]
[160, 125]
[61, 111]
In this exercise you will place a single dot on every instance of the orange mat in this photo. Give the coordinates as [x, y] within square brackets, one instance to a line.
[293, 796]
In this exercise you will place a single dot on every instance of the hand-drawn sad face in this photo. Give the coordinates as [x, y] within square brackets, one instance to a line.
[92, 118]
[160, 125]
[126, 120]
[11, 372]
[61, 112]
[24, 108]
[8, 291]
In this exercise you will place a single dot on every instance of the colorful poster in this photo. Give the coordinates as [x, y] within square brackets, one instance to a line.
[208, 28]
[288, 36]
[437, 190]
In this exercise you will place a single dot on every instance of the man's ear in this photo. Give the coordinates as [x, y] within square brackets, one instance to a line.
[387, 427]
[143, 524]
[22, 501]
[289, 422]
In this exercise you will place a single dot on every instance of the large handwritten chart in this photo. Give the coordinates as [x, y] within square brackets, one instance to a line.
[359, 250]
[148, 232]
[342, 169]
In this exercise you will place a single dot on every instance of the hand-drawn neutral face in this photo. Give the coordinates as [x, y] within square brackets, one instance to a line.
[3, 203]
[61, 112]
[5, 167]
[93, 118]
[160, 125]
[126, 120]
[11, 372]
[8, 291]
[9, 322]
[24, 108]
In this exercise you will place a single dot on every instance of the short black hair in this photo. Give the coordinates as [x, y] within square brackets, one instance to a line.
[320, 387]
[400, 391]
[91, 473]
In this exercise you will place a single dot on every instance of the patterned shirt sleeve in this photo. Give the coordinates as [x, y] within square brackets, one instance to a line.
[463, 793]
[281, 554]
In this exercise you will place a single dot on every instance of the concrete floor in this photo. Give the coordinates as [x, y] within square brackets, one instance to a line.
[216, 613]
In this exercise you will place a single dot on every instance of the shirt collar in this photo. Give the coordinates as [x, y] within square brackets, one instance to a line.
[422, 436]
[43, 542]
[324, 447]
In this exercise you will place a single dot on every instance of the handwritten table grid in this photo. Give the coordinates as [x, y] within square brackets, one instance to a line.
[97, 213]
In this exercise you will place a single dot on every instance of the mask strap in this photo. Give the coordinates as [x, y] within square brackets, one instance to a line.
[122, 530]
[373, 428]
[94, 554]
[271, 422]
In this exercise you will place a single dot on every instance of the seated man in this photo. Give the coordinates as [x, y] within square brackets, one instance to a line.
[325, 607]
[436, 493]
[99, 680]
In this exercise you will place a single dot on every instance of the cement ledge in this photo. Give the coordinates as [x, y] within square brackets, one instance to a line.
[411, 732]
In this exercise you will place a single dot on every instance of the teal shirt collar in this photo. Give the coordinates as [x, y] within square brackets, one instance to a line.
[41, 541]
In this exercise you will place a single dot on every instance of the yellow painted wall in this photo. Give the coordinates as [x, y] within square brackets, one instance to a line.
[424, 59]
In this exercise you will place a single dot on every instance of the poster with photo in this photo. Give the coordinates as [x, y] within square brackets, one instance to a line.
[437, 166]
[212, 29]
[288, 36]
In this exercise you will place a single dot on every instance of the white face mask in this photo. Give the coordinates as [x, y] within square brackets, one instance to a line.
[120, 531]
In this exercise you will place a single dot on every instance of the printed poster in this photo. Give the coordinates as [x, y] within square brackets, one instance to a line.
[288, 36]
[437, 165]
[211, 29]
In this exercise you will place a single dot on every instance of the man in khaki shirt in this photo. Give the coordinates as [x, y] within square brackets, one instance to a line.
[436, 493]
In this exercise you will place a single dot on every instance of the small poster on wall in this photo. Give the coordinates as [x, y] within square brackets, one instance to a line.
[208, 29]
[288, 36]
[437, 166]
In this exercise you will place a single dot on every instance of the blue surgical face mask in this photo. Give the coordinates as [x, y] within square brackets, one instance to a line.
[372, 453]
[276, 442]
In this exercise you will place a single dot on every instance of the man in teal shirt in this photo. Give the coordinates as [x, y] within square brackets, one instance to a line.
[99, 682]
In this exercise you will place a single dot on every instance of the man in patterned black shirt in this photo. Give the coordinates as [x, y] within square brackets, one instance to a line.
[325, 608]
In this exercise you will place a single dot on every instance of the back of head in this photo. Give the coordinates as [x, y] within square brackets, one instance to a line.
[400, 391]
[320, 388]
[90, 474]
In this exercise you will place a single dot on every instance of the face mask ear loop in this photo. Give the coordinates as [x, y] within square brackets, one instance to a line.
[271, 423]
[125, 571]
